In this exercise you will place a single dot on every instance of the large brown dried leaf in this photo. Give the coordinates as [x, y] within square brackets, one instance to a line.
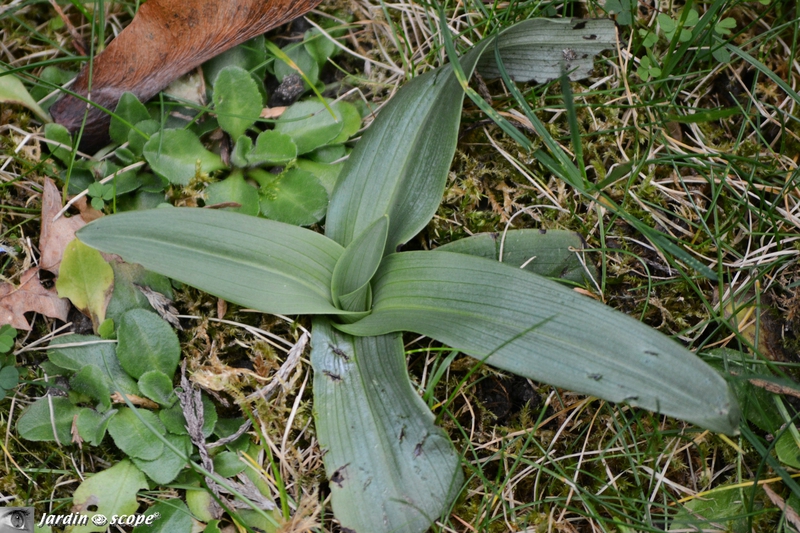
[166, 40]
[56, 234]
[29, 296]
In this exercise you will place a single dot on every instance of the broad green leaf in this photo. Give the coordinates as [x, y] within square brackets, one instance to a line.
[166, 467]
[250, 55]
[175, 422]
[92, 425]
[327, 174]
[390, 468]
[352, 121]
[787, 449]
[310, 124]
[9, 377]
[177, 155]
[547, 253]
[237, 101]
[234, 189]
[242, 148]
[147, 342]
[132, 111]
[201, 504]
[127, 295]
[172, 516]
[59, 134]
[110, 492]
[257, 263]
[319, 46]
[307, 64]
[91, 381]
[133, 437]
[358, 264]
[7, 335]
[83, 350]
[295, 197]
[136, 137]
[36, 422]
[723, 510]
[539, 329]
[228, 464]
[86, 279]
[12, 91]
[157, 386]
[328, 153]
[272, 147]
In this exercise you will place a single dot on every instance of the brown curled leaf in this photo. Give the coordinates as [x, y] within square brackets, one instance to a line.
[165, 40]
[29, 296]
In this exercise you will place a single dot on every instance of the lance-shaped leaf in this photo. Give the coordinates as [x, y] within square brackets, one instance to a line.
[357, 265]
[412, 141]
[542, 49]
[536, 328]
[390, 467]
[419, 124]
[263, 264]
[551, 253]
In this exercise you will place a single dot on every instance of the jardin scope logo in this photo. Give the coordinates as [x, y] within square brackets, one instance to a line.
[78, 519]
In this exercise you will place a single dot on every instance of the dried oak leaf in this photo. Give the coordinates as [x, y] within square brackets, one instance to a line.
[56, 234]
[29, 296]
[165, 40]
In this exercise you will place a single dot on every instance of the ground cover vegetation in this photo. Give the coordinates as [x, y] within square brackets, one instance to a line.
[686, 129]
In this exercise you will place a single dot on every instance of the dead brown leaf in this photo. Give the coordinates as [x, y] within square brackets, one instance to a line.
[29, 296]
[56, 234]
[791, 515]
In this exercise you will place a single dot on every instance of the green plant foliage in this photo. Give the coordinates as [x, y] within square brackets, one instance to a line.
[86, 350]
[157, 386]
[166, 467]
[133, 437]
[36, 422]
[274, 148]
[295, 197]
[648, 69]
[228, 464]
[178, 155]
[173, 517]
[9, 375]
[12, 91]
[91, 381]
[302, 59]
[146, 342]
[237, 100]
[175, 422]
[301, 262]
[130, 111]
[110, 492]
[92, 425]
[86, 279]
[59, 134]
[250, 56]
[7, 336]
[551, 253]
[311, 125]
[234, 189]
[623, 9]
[383, 451]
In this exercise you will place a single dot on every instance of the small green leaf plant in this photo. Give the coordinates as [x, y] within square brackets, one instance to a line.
[271, 163]
[9, 375]
[382, 449]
